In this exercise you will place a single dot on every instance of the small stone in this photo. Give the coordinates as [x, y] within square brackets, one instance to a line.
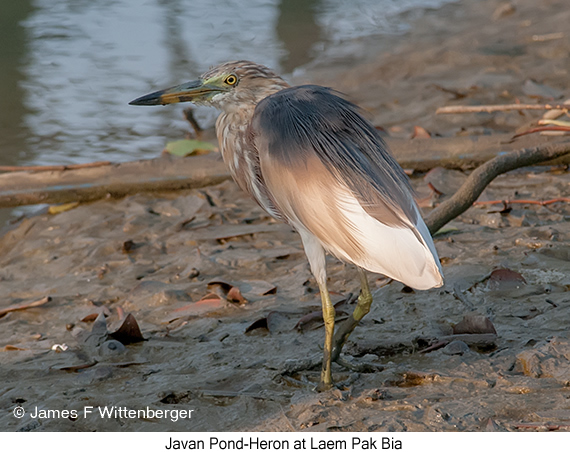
[111, 348]
[456, 348]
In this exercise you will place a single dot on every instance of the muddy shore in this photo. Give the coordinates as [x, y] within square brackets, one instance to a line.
[170, 259]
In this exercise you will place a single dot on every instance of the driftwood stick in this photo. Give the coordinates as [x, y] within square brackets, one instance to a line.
[24, 305]
[453, 109]
[483, 175]
[54, 167]
[91, 182]
[88, 184]
[506, 202]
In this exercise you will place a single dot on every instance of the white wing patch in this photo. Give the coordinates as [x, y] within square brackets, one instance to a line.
[395, 252]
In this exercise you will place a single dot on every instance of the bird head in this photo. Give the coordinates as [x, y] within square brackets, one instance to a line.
[229, 86]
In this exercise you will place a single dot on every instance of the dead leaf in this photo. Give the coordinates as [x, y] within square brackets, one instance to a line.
[420, 132]
[445, 181]
[534, 89]
[211, 302]
[128, 246]
[220, 287]
[231, 292]
[235, 296]
[272, 322]
[259, 323]
[90, 317]
[504, 278]
[474, 324]
[24, 305]
[93, 316]
[13, 348]
[129, 332]
[257, 287]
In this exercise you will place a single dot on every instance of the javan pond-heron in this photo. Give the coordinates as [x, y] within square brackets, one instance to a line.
[311, 159]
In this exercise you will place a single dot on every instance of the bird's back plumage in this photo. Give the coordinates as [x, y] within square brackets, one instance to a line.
[328, 172]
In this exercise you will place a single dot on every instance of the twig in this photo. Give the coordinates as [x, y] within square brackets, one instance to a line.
[24, 305]
[546, 425]
[484, 174]
[54, 167]
[522, 201]
[543, 129]
[189, 115]
[452, 109]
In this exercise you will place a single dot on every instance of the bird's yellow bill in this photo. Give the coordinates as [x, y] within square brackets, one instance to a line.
[193, 91]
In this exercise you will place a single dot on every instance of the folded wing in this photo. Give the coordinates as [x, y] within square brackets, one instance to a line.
[328, 171]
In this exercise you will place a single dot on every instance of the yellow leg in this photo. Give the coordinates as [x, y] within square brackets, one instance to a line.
[362, 308]
[329, 317]
[365, 298]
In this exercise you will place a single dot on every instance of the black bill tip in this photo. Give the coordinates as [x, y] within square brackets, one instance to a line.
[149, 99]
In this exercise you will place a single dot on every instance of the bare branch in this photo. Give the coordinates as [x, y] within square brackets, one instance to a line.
[452, 109]
[483, 175]
[54, 167]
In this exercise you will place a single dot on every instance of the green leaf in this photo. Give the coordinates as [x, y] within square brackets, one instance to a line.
[184, 148]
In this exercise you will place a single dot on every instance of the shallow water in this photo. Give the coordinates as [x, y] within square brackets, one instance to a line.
[70, 68]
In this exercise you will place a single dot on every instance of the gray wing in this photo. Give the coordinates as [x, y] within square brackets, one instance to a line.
[297, 125]
[326, 170]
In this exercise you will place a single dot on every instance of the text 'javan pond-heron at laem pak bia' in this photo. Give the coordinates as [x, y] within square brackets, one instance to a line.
[310, 158]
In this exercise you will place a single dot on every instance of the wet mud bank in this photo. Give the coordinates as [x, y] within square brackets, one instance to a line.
[222, 301]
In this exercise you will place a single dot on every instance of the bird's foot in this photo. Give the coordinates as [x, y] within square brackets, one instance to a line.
[296, 366]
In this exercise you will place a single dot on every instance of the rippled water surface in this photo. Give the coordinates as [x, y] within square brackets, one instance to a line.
[69, 68]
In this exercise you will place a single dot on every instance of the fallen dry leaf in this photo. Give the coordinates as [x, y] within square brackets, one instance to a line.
[272, 322]
[538, 90]
[420, 132]
[504, 278]
[128, 246]
[444, 181]
[129, 332]
[257, 287]
[474, 324]
[229, 291]
[211, 302]
[235, 296]
[259, 323]
[91, 317]
[12, 348]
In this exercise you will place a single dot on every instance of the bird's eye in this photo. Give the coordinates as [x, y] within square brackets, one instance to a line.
[231, 80]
